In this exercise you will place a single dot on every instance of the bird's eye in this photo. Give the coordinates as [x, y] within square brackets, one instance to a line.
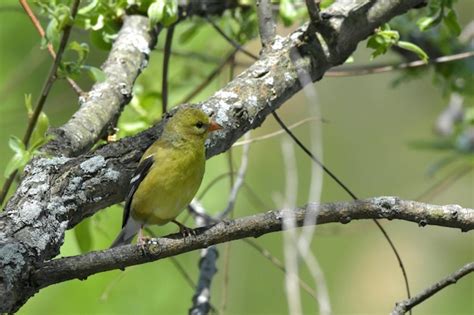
[199, 124]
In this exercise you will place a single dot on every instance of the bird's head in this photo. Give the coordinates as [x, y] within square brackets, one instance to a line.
[191, 124]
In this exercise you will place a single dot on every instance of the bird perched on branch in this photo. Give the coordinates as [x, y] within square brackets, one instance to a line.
[169, 174]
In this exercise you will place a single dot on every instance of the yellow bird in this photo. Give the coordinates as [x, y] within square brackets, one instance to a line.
[169, 174]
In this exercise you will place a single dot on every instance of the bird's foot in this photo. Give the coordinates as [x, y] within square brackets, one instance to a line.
[184, 230]
[142, 240]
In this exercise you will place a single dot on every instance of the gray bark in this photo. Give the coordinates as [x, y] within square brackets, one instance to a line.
[57, 193]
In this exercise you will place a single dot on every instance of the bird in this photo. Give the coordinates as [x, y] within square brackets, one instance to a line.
[168, 175]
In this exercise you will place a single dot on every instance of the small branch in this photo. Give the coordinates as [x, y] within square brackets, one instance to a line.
[51, 51]
[406, 305]
[166, 60]
[209, 78]
[230, 40]
[101, 106]
[313, 11]
[207, 268]
[238, 182]
[365, 70]
[266, 23]
[82, 266]
[276, 133]
[44, 92]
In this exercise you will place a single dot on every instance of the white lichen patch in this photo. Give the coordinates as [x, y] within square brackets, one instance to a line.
[252, 101]
[269, 81]
[226, 94]
[277, 43]
[112, 175]
[29, 212]
[93, 164]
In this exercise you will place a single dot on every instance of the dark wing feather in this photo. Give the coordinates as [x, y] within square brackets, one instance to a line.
[137, 178]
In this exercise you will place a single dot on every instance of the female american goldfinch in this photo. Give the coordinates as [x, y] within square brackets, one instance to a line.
[168, 175]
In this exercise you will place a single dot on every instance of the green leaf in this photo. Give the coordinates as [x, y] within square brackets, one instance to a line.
[82, 50]
[38, 137]
[12, 165]
[20, 158]
[95, 74]
[16, 144]
[189, 33]
[82, 232]
[415, 49]
[426, 22]
[288, 12]
[170, 12]
[52, 33]
[451, 22]
[28, 105]
[155, 11]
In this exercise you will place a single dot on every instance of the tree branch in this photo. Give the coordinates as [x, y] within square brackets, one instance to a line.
[82, 266]
[101, 106]
[406, 305]
[57, 193]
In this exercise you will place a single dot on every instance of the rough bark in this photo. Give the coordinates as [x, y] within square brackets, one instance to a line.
[391, 208]
[56, 193]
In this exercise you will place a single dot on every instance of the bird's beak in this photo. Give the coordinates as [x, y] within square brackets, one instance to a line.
[213, 126]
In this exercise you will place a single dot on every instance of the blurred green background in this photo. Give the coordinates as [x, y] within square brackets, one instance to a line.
[365, 142]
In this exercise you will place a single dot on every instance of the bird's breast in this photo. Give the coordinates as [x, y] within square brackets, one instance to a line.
[168, 187]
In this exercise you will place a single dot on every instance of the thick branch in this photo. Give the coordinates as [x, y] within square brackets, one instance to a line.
[101, 106]
[80, 267]
[57, 193]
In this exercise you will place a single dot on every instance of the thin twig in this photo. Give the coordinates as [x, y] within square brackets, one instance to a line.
[230, 40]
[313, 11]
[183, 272]
[445, 181]
[266, 23]
[44, 95]
[238, 181]
[289, 224]
[209, 78]
[276, 133]
[277, 263]
[406, 305]
[166, 60]
[207, 267]
[348, 191]
[364, 70]
[49, 46]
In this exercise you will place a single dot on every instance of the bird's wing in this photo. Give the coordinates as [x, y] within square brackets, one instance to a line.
[137, 178]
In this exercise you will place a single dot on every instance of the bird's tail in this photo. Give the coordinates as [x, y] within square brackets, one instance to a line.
[127, 234]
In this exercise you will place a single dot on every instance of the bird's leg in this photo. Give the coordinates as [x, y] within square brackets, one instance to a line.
[183, 229]
[142, 239]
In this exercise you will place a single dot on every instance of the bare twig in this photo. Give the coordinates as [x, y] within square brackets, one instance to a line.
[44, 94]
[276, 133]
[444, 182]
[406, 305]
[277, 263]
[266, 22]
[166, 60]
[238, 181]
[289, 225]
[230, 40]
[51, 51]
[364, 70]
[209, 78]
[354, 197]
[313, 11]
[207, 268]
